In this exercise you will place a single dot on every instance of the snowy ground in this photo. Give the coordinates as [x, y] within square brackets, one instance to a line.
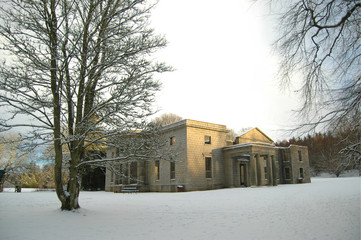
[328, 208]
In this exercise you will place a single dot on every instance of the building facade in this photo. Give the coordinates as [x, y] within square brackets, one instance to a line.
[203, 159]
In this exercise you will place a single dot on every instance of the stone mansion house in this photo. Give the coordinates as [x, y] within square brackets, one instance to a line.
[206, 160]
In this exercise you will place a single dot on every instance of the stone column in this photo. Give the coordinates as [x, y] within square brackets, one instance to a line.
[259, 164]
[274, 171]
[269, 170]
[252, 170]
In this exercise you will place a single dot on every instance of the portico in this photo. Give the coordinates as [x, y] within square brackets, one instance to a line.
[251, 164]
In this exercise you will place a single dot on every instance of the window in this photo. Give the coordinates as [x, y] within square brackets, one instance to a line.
[172, 140]
[172, 170]
[119, 177]
[285, 156]
[301, 172]
[126, 173]
[265, 168]
[299, 155]
[133, 172]
[208, 167]
[265, 173]
[287, 173]
[156, 169]
[207, 139]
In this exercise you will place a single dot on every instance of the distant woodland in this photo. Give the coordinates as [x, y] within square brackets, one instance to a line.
[330, 152]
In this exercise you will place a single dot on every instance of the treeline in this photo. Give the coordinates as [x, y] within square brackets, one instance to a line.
[33, 175]
[331, 152]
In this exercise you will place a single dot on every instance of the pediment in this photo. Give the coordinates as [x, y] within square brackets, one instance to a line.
[253, 135]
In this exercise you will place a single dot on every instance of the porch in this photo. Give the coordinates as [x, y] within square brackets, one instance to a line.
[251, 165]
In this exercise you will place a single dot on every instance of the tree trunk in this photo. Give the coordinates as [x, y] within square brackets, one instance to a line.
[73, 184]
[69, 200]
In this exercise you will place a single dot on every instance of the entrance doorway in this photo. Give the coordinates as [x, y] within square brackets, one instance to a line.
[242, 176]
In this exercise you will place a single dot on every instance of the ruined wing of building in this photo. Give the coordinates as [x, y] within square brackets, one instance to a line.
[205, 160]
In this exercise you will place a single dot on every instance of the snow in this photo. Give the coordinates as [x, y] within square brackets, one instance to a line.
[328, 208]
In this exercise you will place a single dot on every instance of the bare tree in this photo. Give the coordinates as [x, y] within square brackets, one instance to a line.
[321, 41]
[166, 119]
[138, 147]
[13, 158]
[77, 73]
[231, 135]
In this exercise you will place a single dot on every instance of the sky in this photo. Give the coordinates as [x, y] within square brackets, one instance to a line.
[225, 65]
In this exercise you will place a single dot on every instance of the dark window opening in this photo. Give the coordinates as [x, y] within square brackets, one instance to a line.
[172, 140]
[287, 173]
[156, 170]
[208, 167]
[119, 177]
[172, 170]
[133, 172]
[207, 139]
[265, 173]
[285, 156]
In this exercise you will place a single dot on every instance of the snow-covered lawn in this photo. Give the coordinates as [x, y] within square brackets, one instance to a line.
[328, 208]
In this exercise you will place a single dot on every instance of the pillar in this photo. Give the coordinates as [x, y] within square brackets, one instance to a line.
[259, 164]
[252, 170]
[269, 170]
[274, 171]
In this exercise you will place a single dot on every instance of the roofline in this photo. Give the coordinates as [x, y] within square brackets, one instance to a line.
[196, 124]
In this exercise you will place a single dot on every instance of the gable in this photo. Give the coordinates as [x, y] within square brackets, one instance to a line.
[253, 135]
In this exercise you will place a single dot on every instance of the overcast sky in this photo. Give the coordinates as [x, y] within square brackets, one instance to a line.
[225, 66]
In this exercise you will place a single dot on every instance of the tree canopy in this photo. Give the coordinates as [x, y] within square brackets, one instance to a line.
[320, 44]
[166, 119]
[76, 73]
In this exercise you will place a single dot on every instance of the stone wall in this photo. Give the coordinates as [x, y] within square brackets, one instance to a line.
[300, 162]
[174, 150]
[194, 141]
[205, 140]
